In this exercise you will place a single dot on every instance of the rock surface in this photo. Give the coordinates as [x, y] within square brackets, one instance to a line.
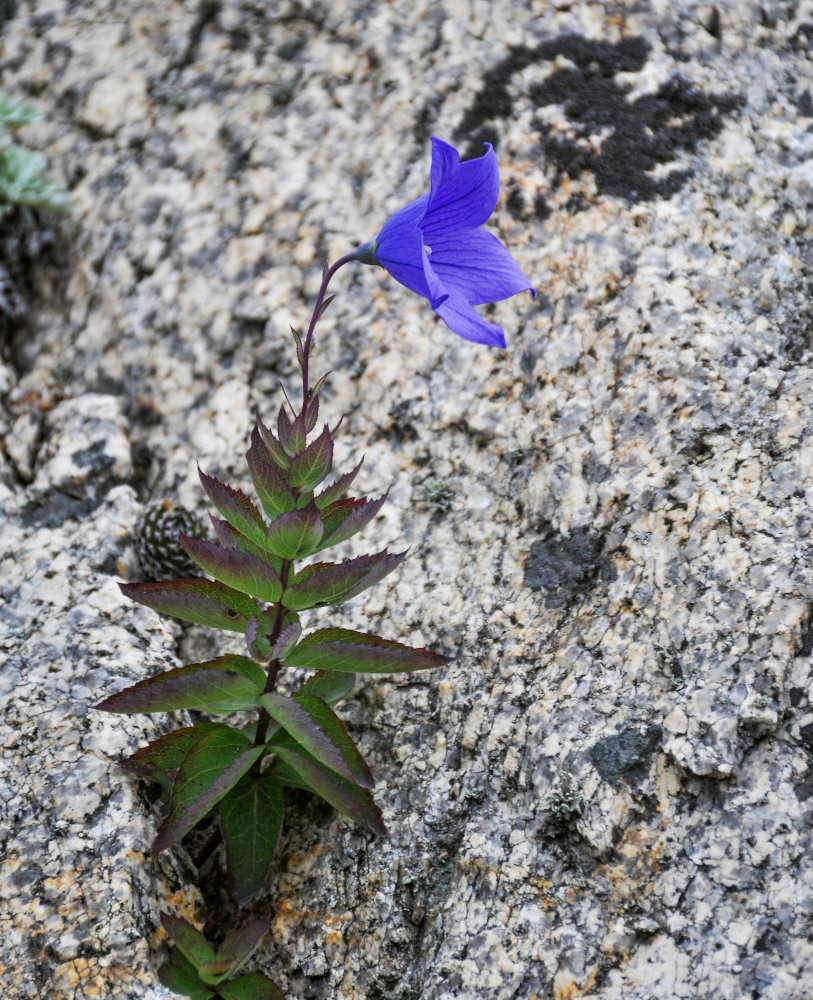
[608, 793]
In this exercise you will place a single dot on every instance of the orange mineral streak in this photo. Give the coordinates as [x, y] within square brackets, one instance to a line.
[287, 918]
[568, 990]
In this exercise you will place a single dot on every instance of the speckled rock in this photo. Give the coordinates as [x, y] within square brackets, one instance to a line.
[608, 793]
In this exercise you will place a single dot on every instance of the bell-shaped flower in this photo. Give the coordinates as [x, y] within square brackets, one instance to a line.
[435, 245]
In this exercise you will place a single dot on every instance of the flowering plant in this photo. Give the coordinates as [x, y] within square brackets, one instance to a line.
[234, 776]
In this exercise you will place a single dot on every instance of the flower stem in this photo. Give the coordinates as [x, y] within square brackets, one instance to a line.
[317, 309]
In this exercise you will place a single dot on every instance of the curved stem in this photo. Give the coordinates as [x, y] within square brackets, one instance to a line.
[320, 298]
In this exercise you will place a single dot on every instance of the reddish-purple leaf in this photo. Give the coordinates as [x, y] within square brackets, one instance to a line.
[317, 728]
[337, 489]
[286, 641]
[295, 533]
[328, 685]
[236, 507]
[241, 943]
[344, 518]
[191, 943]
[312, 412]
[250, 821]
[284, 429]
[159, 760]
[344, 650]
[241, 570]
[269, 479]
[348, 798]
[333, 583]
[310, 467]
[204, 602]
[212, 767]
[274, 446]
[227, 684]
[292, 433]
[259, 648]
[231, 538]
[251, 986]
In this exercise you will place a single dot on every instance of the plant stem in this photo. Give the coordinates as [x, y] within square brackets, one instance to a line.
[320, 298]
[273, 667]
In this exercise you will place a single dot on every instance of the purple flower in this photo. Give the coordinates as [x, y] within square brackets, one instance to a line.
[435, 245]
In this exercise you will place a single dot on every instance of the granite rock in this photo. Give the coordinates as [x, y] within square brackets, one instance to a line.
[608, 793]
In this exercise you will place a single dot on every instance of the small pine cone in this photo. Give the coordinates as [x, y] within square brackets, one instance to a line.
[159, 550]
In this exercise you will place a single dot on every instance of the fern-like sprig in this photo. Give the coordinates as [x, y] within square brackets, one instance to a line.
[22, 171]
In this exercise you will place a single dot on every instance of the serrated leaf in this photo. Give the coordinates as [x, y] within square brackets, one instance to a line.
[252, 986]
[274, 446]
[269, 479]
[310, 467]
[236, 507]
[312, 411]
[220, 685]
[204, 602]
[317, 728]
[287, 640]
[337, 489]
[160, 760]
[258, 645]
[242, 571]
[250, 821]
[344, 518]
[291, 433]
[343, 649]
[231, 538]
[191, 943]
[343, 795]
[295, 533]
[333, 583]
[328, 685]
[180, 976]
[212, 767]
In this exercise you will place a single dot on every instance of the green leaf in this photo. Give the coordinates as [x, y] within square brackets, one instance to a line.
[275, 450]
[327, 685]
[236, 507]
[345, 650]
[333, 583]
[310, 467]
[253, 986]
[230, 538]
[160, 760]
[204, 602]
[344, 518]
[295, 533]
[212, 767]
[348, 798]
[286, 640]
[229, 683]
[190, 941]
[283, 773]
[269, 480]
[317, 728]
[180, 976]
[250, 821]
[337, 489]
[241, 570]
